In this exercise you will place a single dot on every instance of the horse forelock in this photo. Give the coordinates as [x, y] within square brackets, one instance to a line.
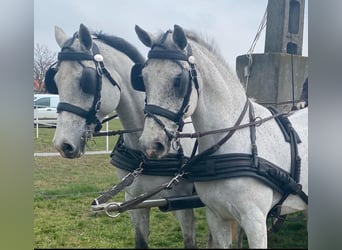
[73, 44]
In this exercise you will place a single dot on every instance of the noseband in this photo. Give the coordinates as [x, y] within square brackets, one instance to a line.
[69, 54]
[153, 110]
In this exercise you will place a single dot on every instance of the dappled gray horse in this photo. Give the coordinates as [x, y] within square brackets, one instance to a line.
[252, 161]
[92, 78]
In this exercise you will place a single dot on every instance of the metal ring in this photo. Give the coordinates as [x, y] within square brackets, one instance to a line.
[175, 144]
[92, 145]
[114, 204]
[258, 121]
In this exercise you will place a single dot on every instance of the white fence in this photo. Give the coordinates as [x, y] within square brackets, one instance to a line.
[41, 123]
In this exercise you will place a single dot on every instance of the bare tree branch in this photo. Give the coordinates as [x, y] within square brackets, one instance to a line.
[43, 58]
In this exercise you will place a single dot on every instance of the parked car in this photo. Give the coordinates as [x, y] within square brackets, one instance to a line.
[45, 109]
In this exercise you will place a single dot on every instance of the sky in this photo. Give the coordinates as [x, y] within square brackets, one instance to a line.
[231, 24]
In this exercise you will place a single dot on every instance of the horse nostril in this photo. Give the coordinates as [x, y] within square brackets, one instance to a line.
[159, 147]
[68, 149]
[155, 150]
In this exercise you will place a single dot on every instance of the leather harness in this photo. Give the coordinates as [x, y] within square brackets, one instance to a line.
[215, 167]
[129, 159]
[205, 166]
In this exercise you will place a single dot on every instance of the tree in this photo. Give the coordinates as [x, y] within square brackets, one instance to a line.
[43, 59]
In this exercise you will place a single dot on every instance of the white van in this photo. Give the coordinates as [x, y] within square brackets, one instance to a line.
[45, 109]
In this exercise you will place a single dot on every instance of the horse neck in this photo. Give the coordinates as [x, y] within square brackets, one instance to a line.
[131, 114]
[222, 97]
[131, 103]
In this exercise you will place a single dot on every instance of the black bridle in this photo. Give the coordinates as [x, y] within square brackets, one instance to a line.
[153, 110]
[69, 54]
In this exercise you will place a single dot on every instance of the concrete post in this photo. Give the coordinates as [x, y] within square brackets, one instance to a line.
[278, 74]
[284, 30]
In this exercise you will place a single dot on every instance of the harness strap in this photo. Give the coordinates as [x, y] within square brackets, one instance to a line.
[74, 56]
[125, 182]
[63, 106]
[295, 158]
[116, 132]
[253, 135]
[109, 118]
[194, 149]
[238, 165]
[256, 122]
[109, 76]
[215, 147]
[135, 160]
[131, 203]
[156, 110]
[215, 167]
[97, 96]
[284, 125]
[139, 199]
[167, 54]
[288, 131]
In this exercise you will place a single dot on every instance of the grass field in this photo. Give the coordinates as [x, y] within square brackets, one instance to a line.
[64, 189]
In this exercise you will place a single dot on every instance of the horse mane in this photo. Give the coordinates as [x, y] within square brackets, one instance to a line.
[208, 43]
[122, 45]
[202, 40]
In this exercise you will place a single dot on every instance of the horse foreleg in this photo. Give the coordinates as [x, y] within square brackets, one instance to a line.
[186, 218]
[256, 230]
[220, 231]
[141, 222]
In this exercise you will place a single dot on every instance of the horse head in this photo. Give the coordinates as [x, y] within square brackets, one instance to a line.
[86, 94]
[169, 78]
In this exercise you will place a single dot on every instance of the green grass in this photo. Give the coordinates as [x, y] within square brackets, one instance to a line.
[64, 189]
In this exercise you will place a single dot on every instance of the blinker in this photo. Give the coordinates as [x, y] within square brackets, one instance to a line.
[136, 77]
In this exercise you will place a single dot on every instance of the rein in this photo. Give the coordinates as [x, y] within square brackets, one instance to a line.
[125, 182]
[139, 199]
[279, 103]
[110, 118]
[117, 132]
[122, 207]
[257, 122]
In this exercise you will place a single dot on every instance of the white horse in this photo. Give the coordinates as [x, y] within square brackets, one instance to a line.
[183, 77]
[92, 78]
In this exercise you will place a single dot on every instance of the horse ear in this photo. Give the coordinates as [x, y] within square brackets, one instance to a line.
[85, 36]
[179, 37]
[60, 36]
[145, 37]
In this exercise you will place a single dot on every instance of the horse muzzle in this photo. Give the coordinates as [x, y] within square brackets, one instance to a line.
[68, 149]
[154, 147]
